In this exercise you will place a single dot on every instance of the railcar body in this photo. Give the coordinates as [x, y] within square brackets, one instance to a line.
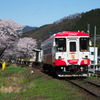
[66, 54]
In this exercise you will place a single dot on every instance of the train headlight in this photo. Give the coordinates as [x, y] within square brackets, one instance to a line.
[60, 58]
[85, 57]
[90, 43]
[82, 68]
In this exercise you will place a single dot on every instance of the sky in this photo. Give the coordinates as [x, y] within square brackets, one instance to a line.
[41, 12]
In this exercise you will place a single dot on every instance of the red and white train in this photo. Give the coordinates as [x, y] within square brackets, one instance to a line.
[66, 54]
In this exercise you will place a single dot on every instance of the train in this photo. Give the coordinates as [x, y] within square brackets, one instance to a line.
[66, 54]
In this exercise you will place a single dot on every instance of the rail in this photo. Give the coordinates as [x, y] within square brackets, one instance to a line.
[91, 91]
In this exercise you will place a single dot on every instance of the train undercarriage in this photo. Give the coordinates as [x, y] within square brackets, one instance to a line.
[67, 71]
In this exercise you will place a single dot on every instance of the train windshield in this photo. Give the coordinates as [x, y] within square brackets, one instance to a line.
[72, 46]
[60, 44]
[84, 44]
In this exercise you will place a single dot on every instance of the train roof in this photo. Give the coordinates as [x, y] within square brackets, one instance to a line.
[67, 34]
[61, 34]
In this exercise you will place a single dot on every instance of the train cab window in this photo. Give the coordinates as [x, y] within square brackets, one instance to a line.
[72, 47]
[84, 44]
[60, 44]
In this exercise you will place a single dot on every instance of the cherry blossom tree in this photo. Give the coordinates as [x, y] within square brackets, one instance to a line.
[6, 45]
[12, 48]
[25, 46]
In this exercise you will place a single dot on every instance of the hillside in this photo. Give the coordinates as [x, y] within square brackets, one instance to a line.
[28, 28]
[71, 23]
[93, 18]
[45, 31]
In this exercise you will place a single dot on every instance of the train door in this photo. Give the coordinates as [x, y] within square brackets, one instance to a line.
[73, 50]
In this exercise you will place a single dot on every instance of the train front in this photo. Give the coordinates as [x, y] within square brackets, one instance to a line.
[71, 54]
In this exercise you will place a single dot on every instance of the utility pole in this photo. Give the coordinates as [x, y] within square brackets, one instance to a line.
[94, 45]
[88, 27]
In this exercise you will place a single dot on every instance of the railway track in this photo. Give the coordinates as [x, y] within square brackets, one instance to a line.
[93, 88]
[98, 85]
[88, 86]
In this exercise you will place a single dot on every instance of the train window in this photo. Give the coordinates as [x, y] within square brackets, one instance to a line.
[72, 46]
[84, 44]
[60, 44]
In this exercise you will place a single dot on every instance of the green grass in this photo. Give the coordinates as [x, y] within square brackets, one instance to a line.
[94, 77]
[16, 83]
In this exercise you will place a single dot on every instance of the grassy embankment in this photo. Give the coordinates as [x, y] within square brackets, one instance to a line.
[16, 83]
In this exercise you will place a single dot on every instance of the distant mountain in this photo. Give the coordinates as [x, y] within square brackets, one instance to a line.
[28, 28]
[64, 24]
[75, 22]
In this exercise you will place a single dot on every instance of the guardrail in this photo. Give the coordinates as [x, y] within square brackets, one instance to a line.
[94, 70]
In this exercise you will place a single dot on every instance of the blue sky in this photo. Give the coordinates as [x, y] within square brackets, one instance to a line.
[41, 12]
